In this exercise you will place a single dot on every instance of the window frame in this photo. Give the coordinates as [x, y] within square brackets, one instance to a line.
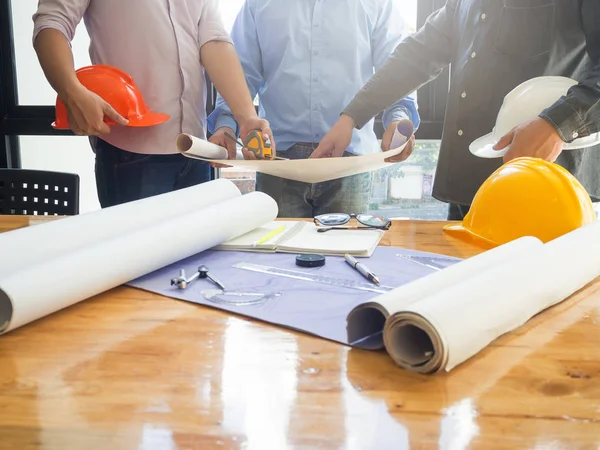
[29, 120]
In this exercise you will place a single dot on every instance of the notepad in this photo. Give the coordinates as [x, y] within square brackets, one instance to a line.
[302, 237]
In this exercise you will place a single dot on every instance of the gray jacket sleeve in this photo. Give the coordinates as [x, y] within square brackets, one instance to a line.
[577, 114]
[417, 60]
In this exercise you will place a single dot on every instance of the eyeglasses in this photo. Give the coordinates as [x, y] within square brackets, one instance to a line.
[333, 222]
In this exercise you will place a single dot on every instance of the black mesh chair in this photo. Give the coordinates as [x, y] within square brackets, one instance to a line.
[38, 192]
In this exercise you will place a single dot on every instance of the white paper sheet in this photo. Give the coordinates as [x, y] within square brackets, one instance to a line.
[104, 260]
[366, 322]
[444, 329]
[26, 246]
[304, 170]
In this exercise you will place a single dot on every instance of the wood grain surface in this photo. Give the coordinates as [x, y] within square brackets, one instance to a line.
[133, 370]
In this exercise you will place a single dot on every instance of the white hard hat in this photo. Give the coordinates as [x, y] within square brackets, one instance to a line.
[525, 103]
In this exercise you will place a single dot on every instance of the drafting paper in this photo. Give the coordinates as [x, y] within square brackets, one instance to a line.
[102, 260]
[305, 170]
[366, 322]
[445, 328]
[27, 246]
[315, 308]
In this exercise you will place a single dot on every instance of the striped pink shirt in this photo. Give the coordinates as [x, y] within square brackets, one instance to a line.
[158, 43]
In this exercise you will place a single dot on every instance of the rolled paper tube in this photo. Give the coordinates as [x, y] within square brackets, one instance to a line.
[447, 327]
[191, 145]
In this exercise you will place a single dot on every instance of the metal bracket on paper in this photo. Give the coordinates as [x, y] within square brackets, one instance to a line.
[307, 276]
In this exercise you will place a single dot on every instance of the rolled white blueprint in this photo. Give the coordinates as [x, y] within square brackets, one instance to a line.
[310, 170]
[27, 246]
[100, 263]
[445, 328]
[365, 323]
[192, 146]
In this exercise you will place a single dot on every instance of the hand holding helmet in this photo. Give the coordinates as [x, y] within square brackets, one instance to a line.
[86, 112]
[106, 96]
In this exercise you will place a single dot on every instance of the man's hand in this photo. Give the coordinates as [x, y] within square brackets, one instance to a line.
[537, 138]
[86, 112]
[337, 140]
[386, 142]
[219, 138]
[255, 123]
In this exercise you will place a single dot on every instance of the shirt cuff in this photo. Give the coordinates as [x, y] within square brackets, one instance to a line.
[213, 32]
[399, 113]
[566, 120]
[225, 120]
[52, 24]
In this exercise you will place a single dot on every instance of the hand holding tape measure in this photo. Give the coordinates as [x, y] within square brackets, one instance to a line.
[256, 145]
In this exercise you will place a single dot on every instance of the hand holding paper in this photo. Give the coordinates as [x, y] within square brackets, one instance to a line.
[396, 135]
[219, 138]
[337, 140]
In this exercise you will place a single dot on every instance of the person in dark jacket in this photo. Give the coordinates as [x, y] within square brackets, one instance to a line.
[492, 46]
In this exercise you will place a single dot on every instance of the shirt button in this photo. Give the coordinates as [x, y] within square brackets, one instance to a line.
[460, 132]
[316, 52]
[316, 79]
[473, 55]
[575, 135]
[315, 107]
[463, 95]
[483, 16]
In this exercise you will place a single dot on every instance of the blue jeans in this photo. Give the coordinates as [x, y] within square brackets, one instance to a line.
[305, 200]
[122, 176]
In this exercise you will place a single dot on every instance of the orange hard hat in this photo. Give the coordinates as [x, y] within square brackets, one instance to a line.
[118, 89]
[525, 197]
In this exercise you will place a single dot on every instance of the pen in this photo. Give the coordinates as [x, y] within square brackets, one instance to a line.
[364, 270]
[234, 139]
[269, 236]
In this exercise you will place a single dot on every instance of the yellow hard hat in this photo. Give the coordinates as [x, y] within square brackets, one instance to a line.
[525, 197]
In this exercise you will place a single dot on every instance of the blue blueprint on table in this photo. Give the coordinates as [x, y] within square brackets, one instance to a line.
[313, 300]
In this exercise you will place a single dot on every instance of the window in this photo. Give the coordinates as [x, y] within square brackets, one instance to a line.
[59, 153]
[64, 154]
[404, 190]
[32, 87]
[229, 11]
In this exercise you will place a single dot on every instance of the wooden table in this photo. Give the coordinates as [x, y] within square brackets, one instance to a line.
[133, 370]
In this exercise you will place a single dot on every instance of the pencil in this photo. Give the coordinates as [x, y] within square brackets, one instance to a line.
[268, 236]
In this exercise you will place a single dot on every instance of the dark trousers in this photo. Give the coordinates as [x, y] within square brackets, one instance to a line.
[457, 212]
[123, 176]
